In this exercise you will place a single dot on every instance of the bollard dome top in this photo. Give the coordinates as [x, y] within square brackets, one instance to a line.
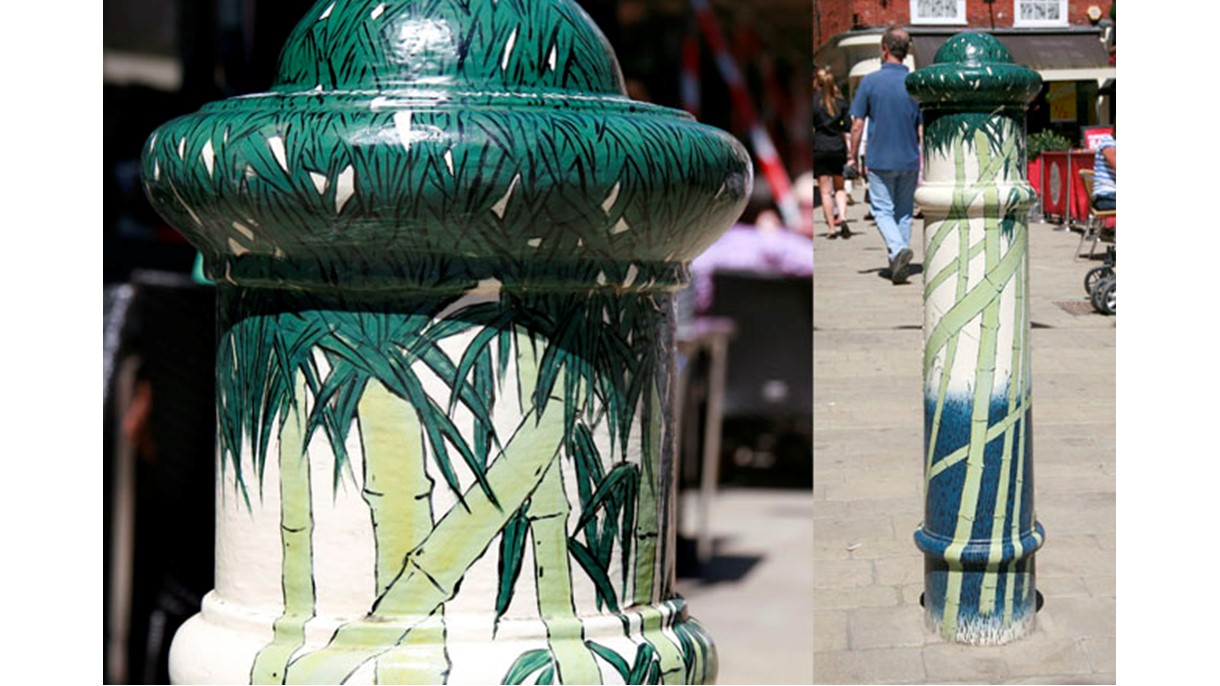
[972, 70]
[484, 45]
[972, 48]
[426, 143]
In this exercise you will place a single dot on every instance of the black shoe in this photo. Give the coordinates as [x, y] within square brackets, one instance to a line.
[900, 267]
[844, 231]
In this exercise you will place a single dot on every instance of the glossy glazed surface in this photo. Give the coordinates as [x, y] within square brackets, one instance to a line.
[444, 244]
[419, 140]
[980, 531]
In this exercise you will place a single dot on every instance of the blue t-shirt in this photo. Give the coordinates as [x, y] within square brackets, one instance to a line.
[893, 119]
[1105, 177]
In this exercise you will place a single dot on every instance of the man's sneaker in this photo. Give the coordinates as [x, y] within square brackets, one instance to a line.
[900, 266]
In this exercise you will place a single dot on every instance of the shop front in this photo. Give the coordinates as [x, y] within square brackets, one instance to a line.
[1074, 64]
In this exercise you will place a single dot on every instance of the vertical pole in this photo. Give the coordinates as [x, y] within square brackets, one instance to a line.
[979, 532]
[445, 247]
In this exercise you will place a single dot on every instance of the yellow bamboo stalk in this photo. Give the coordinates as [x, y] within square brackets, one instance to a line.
[988, 599]
[430, 574]
[396, 485]
[963, 279]
[548, 517]
[398, 491]
[647, 594]
[421, 658]
[1015, 531]
[296, 541]
[647, 527]
[984, 382]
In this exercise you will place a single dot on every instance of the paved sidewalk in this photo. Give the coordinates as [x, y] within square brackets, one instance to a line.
[868, 488]
[755, 595]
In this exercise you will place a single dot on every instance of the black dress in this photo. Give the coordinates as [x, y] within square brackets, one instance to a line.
[829, 149]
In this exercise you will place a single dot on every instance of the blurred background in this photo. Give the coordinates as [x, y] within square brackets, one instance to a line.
[746, 410]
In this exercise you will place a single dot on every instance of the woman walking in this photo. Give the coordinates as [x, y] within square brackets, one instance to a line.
[831, 127]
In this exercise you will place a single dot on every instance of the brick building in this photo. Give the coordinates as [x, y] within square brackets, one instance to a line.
[831, 17]
[1069, 42]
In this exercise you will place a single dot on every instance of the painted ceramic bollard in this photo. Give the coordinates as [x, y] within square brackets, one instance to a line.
[446, 246]
[979, 532]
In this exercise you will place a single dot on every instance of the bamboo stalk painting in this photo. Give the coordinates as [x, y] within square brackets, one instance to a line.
[979, 532]
[445, 247]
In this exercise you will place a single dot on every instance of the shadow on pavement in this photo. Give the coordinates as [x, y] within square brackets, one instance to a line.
[885, 273]
[719, 569]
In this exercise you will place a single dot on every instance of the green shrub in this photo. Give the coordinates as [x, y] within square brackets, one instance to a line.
[1042, 141]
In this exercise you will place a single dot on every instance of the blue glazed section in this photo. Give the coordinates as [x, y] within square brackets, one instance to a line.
[980, 612]
[970, 609]
[944, 491]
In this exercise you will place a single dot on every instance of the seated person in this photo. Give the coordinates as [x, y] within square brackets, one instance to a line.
[1104, 175]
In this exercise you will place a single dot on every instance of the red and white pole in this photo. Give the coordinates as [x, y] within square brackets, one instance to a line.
[760, 141]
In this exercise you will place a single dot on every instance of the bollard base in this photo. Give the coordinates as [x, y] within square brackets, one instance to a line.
[984, 631]
[980, 605]
[221, 645]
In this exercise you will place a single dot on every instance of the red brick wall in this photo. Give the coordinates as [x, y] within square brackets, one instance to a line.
[836, 16]
[830, 17]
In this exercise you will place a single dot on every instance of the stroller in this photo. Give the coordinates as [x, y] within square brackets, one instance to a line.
[1099, 282]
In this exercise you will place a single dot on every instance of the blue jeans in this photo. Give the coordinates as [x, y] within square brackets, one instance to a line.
[892, 196]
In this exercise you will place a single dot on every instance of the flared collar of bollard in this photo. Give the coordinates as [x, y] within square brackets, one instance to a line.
[403, 138]
[973, 70]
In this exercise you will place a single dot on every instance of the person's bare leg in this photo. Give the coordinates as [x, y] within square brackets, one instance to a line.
[840, 194]
[840, 198]
[826, 188]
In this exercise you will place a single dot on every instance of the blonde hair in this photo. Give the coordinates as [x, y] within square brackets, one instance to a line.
[826, 84]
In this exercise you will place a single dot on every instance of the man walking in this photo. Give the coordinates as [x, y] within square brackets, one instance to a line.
[892, 164]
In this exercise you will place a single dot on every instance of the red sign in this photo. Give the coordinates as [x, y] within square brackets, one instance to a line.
[1093, 135]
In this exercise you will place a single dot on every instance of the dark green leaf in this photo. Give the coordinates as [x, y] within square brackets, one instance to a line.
[440, 363]
[512, 552]
[601, 580]
[630, 494]
[470, 357]
[526, 664]
[654, 673]
[615, 660]
[623, 472]
[644, 658]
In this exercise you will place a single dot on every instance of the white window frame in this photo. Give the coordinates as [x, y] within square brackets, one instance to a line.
[916, 18]
[1018, 22]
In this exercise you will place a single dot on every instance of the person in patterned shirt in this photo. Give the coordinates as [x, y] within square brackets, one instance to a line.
[1105, 175]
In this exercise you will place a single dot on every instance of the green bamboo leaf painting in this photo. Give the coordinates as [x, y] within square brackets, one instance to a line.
[526, 665]
[512, 554]
[647, 668]
[356, 238]
[977, 533]
[619, 476]
[616, 661]
[591, 567]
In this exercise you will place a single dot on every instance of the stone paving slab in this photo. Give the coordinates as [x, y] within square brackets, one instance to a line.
[868, 453]
[755, 595]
